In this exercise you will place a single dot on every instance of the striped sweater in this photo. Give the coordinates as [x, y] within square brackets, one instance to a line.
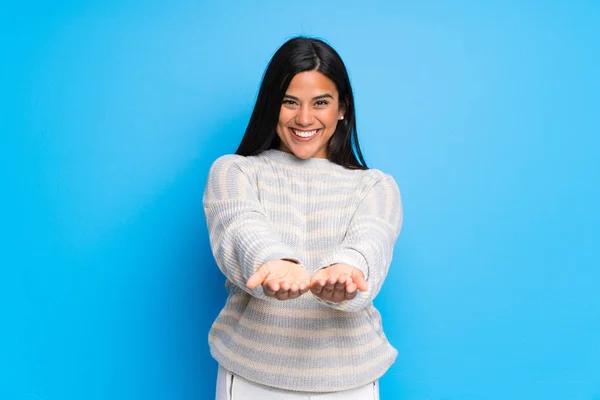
[275, 206]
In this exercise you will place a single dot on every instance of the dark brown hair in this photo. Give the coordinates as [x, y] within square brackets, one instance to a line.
[298, 55]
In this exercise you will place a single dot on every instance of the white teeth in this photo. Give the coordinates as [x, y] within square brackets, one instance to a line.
[304, 134]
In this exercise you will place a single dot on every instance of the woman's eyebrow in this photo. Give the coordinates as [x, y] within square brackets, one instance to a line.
[321, 96]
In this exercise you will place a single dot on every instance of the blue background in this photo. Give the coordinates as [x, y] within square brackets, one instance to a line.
[486, 114]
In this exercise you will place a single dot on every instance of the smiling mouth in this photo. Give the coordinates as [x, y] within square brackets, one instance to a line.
[304, 134]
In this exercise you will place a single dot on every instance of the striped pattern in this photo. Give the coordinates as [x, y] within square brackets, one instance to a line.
[274, 206]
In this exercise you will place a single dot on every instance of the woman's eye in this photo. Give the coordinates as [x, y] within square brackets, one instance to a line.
[289, 102]
[321, 103]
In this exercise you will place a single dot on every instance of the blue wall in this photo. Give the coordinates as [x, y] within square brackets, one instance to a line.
[487, 115]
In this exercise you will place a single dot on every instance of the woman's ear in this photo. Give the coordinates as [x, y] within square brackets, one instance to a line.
[343, 107]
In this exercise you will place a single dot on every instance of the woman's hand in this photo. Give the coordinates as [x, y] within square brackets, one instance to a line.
[338, 282]
[282, 279]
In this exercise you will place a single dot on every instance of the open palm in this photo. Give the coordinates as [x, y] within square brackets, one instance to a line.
[281, 279]
[338, 282]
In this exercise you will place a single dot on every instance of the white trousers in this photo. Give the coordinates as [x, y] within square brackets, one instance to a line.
[234, 387]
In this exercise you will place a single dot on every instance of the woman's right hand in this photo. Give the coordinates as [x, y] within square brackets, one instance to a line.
[281, 279]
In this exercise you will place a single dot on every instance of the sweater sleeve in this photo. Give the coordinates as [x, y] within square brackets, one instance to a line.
[241, 236]
[369, 241]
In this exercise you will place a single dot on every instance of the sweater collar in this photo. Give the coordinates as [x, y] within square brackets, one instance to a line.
[290, 159]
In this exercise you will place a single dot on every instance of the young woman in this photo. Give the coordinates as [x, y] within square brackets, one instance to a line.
[304, 233]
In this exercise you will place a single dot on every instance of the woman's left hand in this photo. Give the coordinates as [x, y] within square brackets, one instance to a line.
[338, 282]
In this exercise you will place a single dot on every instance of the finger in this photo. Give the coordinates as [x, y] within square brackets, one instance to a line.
[331, 284]
[268, 291]
[327, 291]
[283, 292]
[272, 285]
[292, 294]
[317, 277]
[339, 290]
[282, 295]
[351, 287]
[360, 281]
[337, 297]
[350, 295]
[258, 277]
[317, 287]
[341, 280]
[294, 291]
[303, 286]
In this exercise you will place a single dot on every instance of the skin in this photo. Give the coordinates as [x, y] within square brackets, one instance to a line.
[281, 279]
[338, 282]
[311, 102]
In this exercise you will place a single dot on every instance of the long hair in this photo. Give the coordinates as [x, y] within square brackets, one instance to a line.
[297, 55]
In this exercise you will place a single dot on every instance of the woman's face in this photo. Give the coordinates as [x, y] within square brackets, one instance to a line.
[309, 115]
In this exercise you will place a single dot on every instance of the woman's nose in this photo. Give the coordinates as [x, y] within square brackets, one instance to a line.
[304, 116]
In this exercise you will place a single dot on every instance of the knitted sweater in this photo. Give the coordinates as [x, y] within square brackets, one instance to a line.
[275, 206]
